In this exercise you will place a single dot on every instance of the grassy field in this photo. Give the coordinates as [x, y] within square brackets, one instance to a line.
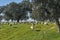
[23, 32]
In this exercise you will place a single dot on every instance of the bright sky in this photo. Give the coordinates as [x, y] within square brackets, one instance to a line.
[4, 2]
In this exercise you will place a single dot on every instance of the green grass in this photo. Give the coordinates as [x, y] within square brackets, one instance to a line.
[23, 32]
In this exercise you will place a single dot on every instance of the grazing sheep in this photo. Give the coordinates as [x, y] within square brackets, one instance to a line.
[10, 23]
[45, 23]
[54, 23]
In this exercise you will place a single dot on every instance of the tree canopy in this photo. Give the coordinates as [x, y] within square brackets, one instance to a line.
[46, 9]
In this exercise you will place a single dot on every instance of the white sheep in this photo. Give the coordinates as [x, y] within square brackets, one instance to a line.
[32, 26]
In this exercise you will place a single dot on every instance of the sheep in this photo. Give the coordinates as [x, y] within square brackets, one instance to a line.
[32, 26]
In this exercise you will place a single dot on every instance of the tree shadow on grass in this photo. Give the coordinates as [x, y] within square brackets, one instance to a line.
[38, 30]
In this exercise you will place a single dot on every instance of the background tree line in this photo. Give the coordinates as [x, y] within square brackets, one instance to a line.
[16, 11]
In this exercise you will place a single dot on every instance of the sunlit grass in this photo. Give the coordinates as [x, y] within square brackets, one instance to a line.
[23, 32]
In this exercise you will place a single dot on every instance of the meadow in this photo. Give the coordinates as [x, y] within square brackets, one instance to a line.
[23, 32]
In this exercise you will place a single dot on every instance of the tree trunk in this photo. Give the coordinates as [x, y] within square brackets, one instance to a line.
[57, 21]
[12, 20]
[18, 20]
